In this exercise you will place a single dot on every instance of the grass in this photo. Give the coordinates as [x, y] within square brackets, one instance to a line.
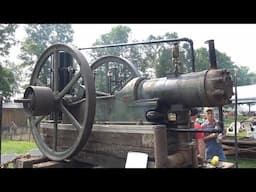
[239, 134]
[243, 162]
[19, 147]
[228, 120]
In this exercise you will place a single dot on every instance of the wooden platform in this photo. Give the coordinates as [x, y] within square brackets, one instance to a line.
[108, 145]
[222, 165]
[245, 146]
[240, 140]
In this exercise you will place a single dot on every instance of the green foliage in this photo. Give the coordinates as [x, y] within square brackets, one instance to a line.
[201, 59]
[7, 80]
[39, 38]
[203, 63]
[118, 34]
[19, 147]
[224, 62]
[229, 119]
[159, 56]
[7, 32]
[244, 77]
[164, 63]
[7, 83]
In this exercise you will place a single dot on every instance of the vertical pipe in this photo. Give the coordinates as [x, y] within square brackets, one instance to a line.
[213, 65]
[184, 154]
[192, 56]
[236, 152]
[1, 107]
[221, 122]
[212, 54]
[194, 154]
[160, 146]
[56, 65]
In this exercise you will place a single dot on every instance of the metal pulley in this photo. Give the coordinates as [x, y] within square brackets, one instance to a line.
[47, 100]
[38, 101]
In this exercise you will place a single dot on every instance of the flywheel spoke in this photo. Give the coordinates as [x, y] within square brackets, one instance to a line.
[38, 120]
[56, 71]
[68, 86]
[39, 82]
[71, 117]
[55, 131]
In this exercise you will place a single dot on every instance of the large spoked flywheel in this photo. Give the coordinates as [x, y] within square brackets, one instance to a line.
[61, 101]
[112, 73]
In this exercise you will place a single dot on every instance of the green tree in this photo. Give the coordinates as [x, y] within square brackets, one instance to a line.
[7, 40]
[7, 83]
[252, 77]
[159, 56]
[118, 34]
[244, 77]
[202, 61]
[164, 63]
[41, 36]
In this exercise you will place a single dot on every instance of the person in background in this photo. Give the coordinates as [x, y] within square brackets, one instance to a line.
[200, 140]
[212, 141]
[200, 145]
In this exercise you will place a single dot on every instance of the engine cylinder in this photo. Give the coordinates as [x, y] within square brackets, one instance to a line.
[197, 89]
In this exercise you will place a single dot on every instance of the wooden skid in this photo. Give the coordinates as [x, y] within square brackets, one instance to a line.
[28, 162]
[50, 164]
[108, 145]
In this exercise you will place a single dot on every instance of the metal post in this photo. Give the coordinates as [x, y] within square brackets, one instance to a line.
[212, 54]
[221, 121]
[160, 146]
[236, 152]
[213, 65]
[1, 107]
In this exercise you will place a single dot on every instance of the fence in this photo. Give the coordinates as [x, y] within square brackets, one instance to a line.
[19, 133]
[14, 123]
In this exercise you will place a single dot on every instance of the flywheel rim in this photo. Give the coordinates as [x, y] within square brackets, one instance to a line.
[90, 103]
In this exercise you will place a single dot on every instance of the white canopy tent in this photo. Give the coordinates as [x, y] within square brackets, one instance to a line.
[246, 95]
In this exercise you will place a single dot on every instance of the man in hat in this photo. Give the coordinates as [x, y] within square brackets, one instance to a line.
[213, 146]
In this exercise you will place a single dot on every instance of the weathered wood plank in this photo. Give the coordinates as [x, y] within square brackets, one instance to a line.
[108, 145]
[117, 150]
[28, 162]
[107, 128]
[106, 161]
[50, 164]
[102, 160]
